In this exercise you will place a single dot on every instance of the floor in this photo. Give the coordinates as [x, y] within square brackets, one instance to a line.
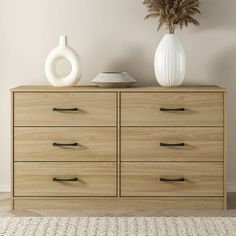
[6, 211]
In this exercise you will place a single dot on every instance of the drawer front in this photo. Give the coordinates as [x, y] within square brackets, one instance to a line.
[153, 109]
[36, 179]
[65, 144]
[36, 109]
[172, 144]
[200, 179]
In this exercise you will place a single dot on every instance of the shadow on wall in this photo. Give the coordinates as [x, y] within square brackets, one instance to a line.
[222, 11]
[223, 72]
[131, 62]
[223, 67]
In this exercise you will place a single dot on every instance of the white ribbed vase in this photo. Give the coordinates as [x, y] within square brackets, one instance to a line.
[170, 62]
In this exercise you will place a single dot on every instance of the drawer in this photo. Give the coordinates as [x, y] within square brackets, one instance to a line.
[36, 179]
[65, 144]
[144, 179]
[156, 109]
[46, 109]
[172, 144]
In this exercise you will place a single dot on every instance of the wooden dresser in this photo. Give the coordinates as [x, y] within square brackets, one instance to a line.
[134, 148]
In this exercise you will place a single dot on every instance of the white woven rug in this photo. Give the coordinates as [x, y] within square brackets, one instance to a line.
[119, 226]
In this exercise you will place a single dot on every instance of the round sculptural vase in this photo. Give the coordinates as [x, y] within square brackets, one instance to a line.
[170, 62]
[63, 51]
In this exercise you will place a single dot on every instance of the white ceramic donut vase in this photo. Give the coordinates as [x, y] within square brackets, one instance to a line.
[63, 52]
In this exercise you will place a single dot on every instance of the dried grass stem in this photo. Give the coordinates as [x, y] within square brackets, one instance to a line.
[173, 13]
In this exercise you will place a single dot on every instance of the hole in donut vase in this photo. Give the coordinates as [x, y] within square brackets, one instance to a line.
[63, 67]
[63, 52]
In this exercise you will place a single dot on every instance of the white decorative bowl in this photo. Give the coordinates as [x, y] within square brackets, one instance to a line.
[114, 80]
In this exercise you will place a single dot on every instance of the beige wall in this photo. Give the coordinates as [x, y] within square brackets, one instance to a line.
[110, 35]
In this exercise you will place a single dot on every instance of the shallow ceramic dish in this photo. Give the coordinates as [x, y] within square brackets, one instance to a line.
[114, 80]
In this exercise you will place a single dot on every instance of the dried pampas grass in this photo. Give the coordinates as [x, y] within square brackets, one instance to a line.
[173, 13]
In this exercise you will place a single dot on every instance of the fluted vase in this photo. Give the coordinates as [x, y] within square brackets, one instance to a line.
[170, 62]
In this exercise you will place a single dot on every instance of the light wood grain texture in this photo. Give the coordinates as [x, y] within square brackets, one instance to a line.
[136, 211]
[143, 179]
[143, 144]
[121, 204]
[225, 150]
[12, 150]
[36, 144]
[159, 89]
[107, 183]
[118, 144]
[94, 179]
[143, 109]
[36, 109]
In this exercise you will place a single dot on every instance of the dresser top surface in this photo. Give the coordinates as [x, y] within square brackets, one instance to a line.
[131, 89]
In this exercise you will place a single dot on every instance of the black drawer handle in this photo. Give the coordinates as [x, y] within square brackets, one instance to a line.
[172, 180]
[65, 109]
[64, 180]
[172, 109]
[65, 144]
[172, 144]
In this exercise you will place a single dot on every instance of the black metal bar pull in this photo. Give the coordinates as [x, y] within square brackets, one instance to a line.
[65, 144]
[172, 109]
[64, 180]
[172, 180]
[65, 109]
[172, 144]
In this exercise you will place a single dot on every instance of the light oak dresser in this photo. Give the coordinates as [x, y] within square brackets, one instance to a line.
[134, 148]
